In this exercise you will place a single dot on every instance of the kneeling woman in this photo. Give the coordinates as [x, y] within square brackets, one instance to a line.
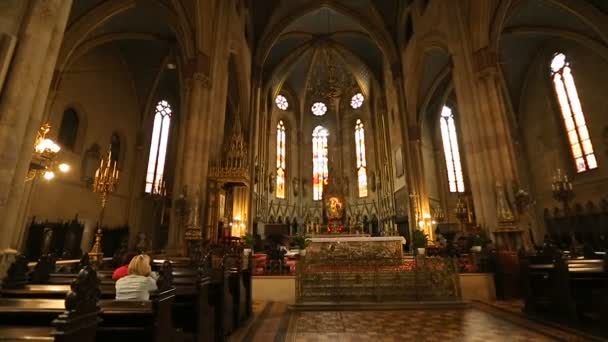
[140, 281]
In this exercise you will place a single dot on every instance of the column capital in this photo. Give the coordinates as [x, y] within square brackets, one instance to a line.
[198, 69]
[485, 61]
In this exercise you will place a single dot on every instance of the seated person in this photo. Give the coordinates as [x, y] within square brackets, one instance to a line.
[123, 270]
[140, 281]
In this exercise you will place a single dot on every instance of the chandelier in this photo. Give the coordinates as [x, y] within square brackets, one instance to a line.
[44, 161]
[330, 80]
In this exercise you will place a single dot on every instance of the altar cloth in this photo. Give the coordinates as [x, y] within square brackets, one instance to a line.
[359, 239]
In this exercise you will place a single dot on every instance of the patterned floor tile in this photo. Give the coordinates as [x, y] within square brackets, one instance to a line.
[277, 323]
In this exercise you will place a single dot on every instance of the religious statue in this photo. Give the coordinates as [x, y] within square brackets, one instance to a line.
[296, 183]
[372, 181]
[303, 188]
[502, 206]
[271, 182]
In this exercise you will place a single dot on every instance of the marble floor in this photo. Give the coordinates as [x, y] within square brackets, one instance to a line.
[275, 322]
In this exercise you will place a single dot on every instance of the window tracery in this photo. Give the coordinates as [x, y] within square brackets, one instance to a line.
[281, 165]
[361, 162]
[451, 150]
[320, 161]
[572, 114]
[158, 147]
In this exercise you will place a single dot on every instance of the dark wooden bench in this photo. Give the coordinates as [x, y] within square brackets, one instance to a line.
[74, 318]
[37, 304]
[119, 319]
[565, 289]
[193, 313]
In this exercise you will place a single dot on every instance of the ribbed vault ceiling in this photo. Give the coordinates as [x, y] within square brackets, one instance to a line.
[321, 32]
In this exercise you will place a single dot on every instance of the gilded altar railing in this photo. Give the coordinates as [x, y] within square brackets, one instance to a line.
[338, 279]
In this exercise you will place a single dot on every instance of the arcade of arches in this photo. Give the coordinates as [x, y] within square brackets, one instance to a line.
[219, 118]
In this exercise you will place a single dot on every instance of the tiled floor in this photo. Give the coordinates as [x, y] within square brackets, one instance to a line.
[275, 322]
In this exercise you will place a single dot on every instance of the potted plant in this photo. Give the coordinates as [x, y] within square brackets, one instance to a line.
[419, 241]
[478, 240]
[248, 242]
[301, 242]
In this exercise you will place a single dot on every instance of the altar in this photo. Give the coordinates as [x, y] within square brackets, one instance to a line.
[339, 268]
[356, 250]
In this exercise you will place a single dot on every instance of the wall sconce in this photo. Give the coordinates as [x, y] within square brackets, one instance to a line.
[44, 161]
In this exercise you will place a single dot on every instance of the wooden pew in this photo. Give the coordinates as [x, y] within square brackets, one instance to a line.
[148, 320]
[72, 319]
[192, 308]
[120, 320]
[568, 290]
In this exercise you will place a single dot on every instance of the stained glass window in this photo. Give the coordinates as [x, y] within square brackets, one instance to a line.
[319, 161]
[319, 108]
[356, 101]
[361, 163]
[281, 102]
[451, 150]
[572, 113]
[158, 147]
[280, 160]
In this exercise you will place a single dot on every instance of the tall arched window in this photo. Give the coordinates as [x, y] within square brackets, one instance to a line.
[319, 161]
[281, 160]
[361, 163]
[68, 131]
[451, 150]
[158, 147]
[572, 113]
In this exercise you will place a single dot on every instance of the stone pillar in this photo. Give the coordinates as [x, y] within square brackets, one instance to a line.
[253, 139]
[193, 175]
[490, 149]
[21, 106]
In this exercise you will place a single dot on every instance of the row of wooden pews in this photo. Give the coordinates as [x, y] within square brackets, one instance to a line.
[567, 290]
[194, 303]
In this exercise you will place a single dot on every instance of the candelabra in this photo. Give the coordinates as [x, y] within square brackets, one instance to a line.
[43, 159]
[562, 190]
[106, 179]
[438, 214]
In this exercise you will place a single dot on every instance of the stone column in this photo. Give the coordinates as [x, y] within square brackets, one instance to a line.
[492, 152]
[22, 103]
[176, 243]
[195, 128]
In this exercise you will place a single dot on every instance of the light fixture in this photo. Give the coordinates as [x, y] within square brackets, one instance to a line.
[171, 66]
[281, 102]
[319, 108]
[356, 101]
[43, 159]
[63, 167]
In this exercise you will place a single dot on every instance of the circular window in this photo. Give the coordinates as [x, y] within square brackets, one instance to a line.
[281, 102]
[319, 108]
[357, 101]
[558, 62]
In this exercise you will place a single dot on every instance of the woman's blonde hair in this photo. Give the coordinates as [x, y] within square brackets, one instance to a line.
[140, 265]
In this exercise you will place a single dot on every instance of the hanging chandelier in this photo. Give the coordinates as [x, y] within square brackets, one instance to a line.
[44, 161]
[330, 80]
